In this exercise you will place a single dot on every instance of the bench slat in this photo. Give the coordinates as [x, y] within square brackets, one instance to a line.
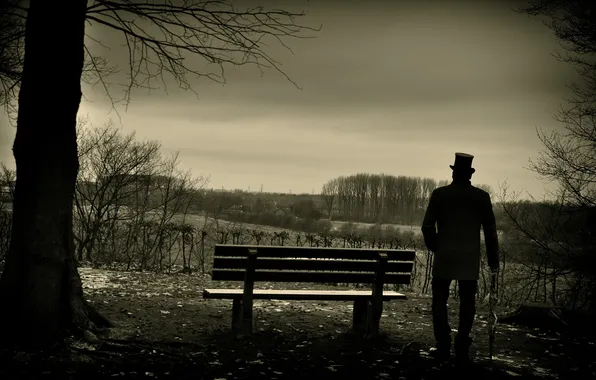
[232, 250]
[312, 264]
[305, 295]
[306, 276]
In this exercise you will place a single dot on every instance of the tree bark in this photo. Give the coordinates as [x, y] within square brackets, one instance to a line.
[40, 288]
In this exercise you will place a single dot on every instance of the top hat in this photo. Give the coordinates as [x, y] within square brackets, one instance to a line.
[463, 162]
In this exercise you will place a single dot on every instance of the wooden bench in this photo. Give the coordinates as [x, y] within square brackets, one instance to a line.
[252, 263]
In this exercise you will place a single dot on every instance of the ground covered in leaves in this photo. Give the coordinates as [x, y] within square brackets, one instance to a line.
[166, 330]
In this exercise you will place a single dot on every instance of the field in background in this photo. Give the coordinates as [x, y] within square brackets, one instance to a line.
[401, 227]
[201, 220]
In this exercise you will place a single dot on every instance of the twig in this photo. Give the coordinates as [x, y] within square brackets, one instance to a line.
[131, 344]
[87, 351]
[401, 351]
[296, 329]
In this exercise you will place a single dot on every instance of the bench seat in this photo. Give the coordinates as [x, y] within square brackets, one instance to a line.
[301, 295]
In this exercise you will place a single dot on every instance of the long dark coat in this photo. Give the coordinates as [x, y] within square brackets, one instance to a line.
[458, 211]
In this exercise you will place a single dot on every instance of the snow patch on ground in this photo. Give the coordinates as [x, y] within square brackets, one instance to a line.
[93, 279]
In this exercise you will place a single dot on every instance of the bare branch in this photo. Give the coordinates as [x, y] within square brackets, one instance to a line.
[162, 36]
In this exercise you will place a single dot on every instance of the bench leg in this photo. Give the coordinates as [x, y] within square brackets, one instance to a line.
[242, 320]
[359, 316]
[237, 317]
[373, 323]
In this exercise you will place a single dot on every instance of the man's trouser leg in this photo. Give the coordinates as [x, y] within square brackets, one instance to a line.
[467, 311]
[442, 330]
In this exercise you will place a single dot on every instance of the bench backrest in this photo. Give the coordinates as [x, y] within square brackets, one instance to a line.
[311, 264]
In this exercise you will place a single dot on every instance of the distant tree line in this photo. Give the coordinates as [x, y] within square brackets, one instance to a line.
[366, 198]
[379, 198]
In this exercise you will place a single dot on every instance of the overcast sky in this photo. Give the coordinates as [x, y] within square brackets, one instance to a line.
[391, 87]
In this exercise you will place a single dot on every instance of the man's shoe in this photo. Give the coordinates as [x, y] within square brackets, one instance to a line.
[462, 349]
[441, 354]
[462, 358]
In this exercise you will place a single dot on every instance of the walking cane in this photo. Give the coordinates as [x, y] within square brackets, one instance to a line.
[492, 317]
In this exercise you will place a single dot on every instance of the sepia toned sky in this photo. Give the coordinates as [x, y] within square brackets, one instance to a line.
[392, 87]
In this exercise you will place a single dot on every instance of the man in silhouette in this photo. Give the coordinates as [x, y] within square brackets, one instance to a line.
[458, 210]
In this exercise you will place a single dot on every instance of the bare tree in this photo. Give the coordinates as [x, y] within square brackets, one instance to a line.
[109, 161]
[159, 34]
[569, 156]
[7, 179]
[12, 38]
[126, 189]
[173, 198]
[329, 193]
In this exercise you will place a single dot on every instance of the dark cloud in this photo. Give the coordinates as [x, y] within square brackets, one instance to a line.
[384, 81]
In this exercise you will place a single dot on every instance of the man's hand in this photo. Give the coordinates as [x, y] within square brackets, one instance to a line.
[429, 228]
[432, 245]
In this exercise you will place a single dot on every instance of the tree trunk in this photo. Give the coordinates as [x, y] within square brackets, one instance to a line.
[40, 288]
